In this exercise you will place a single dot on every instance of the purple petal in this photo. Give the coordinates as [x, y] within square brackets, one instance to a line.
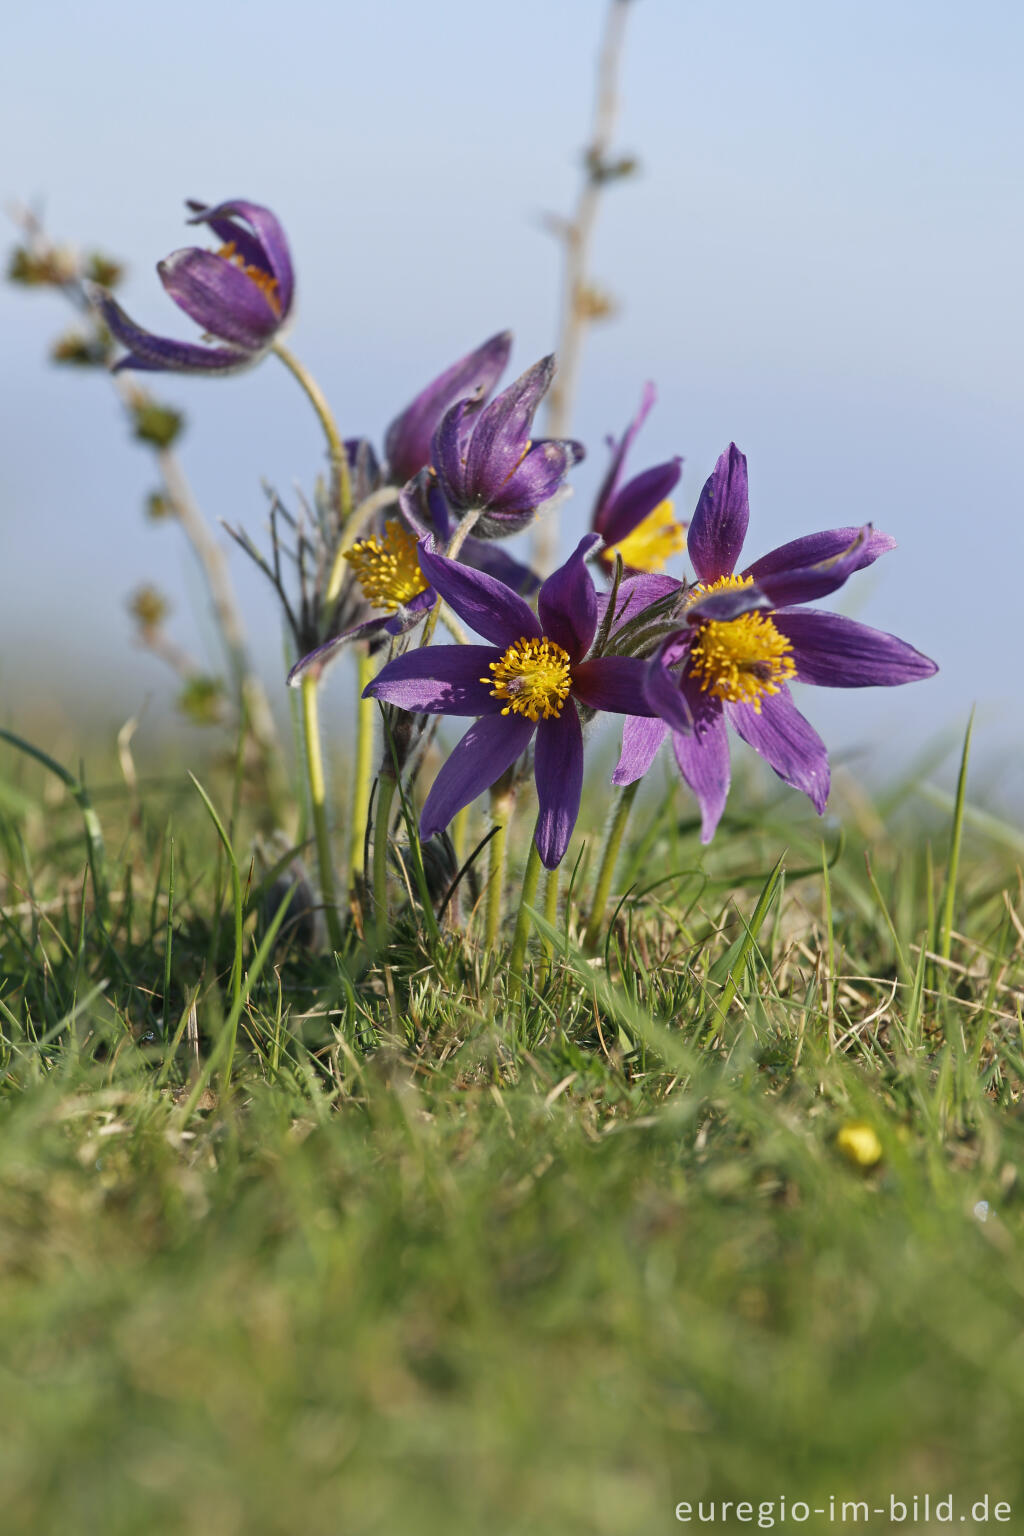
[638, 499]
[438, 680]
[269, 250]
[567, 602]
[818, 564]
[614, 684]
[500, 437]
[408, 439]
[486, 605]
[641, 739]
[719, 524]
[162, 354]
[840, 653]
[610, 483]
[720, 607]
[447, 452]
[537, 476]
[703, 758]
[664, 693]
[487, 749]
[219, 296]
[635, 594]
[317, 660]
[411, 613]
[558, 770]
[786, 741]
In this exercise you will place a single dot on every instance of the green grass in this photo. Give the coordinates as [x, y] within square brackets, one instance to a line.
[292, 1245]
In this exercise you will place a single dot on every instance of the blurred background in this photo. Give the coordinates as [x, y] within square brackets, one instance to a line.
[818, 258]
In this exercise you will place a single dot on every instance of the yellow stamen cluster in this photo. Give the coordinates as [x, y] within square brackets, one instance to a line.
[534, 676]
[739, 660]
[263, 280]
[652, 542]
[388, 568]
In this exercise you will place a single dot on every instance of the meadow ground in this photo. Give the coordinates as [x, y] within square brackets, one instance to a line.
[304, 1244]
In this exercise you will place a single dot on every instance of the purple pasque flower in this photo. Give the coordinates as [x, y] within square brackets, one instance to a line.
[488, 464]
[528, 684]
[472, 378]
[637, 520]
[745, 637]
[241, 294]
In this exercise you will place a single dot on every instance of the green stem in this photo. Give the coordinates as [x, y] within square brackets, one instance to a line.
[318, 805]
[608, 861]
[342, 486]
[551, 909]
[366, 713]
[531, 877]
[460, 835]
[501, 812]
[386, 786]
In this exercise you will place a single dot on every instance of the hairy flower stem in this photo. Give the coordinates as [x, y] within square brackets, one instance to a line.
[502, 801]
[366, 714]
[609, 859]
[531, 877]
[318, 806]
[341, 480]
[386, 786]
[551, 908]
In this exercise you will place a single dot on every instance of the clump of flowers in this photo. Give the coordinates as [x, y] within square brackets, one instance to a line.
[411, 537]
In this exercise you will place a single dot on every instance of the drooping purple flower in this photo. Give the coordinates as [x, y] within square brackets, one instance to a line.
[241, 294]
[487, 462]
[637, 520]
[472, 378]
[745, 637]
[528, 683]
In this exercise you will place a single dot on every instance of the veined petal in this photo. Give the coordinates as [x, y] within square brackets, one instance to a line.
[408, 439]
[447, 452]
[268, 250]
[567, 602]
[719, 524]
[614, 684]
[703, 759]
[438, 680]
[487, 749]
[818, 564]
[162, 354]
[610, 483]
[538, 475]
[836, 652]
[501, 434]
[663, 691]
[486, 605]
[787, 742]
[637, 500]
[641, 739]
[219, 297]
[558, 770]
[728, 604]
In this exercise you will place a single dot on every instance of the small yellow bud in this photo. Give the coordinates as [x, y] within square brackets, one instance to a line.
[859, 1144]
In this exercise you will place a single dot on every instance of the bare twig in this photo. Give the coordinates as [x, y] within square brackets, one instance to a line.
[581, 302]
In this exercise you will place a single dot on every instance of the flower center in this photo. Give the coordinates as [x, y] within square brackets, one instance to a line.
[388, 568]
[534, 676]
[739, 660]
[651, 543]
[263, 280]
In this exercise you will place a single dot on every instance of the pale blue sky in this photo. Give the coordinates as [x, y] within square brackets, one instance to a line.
[821, 260]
